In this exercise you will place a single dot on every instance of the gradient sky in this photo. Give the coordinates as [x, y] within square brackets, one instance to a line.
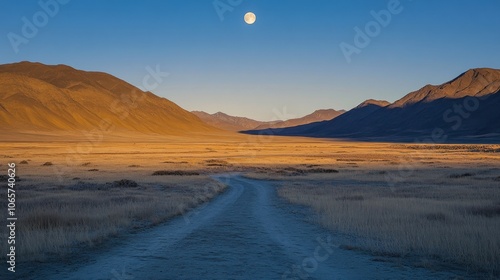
[286, 65]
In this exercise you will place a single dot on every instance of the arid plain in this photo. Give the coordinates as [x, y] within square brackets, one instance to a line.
[431, 205]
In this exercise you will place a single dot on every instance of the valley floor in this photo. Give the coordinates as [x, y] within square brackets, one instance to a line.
[433, 206]
[245, 233]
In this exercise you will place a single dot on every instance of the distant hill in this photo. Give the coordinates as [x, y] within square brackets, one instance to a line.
[233, 123]
[370, 102]
[40, 98]
[316, 116]
[227, 122]
[463, 109]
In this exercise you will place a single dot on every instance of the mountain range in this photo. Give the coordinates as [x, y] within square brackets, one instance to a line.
[463, 109]
[232, 123]
[40, 99]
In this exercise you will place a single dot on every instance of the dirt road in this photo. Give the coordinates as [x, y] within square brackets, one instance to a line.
[246, 233]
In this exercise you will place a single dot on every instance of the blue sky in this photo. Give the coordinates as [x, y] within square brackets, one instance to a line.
[287, 64]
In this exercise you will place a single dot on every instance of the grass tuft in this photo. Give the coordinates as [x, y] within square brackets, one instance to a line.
[485, 211]
[462, 175]
[175, 173]
[436, 217]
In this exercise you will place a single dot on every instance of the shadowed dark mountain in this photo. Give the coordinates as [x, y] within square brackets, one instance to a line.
[40, 98]
[464, 109]
[233, 123]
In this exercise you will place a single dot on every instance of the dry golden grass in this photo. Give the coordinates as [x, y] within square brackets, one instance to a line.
[455, 223]
[54, 219]
[437, 202]
[434, 204]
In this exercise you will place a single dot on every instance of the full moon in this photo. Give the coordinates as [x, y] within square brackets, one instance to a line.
[250, 18]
